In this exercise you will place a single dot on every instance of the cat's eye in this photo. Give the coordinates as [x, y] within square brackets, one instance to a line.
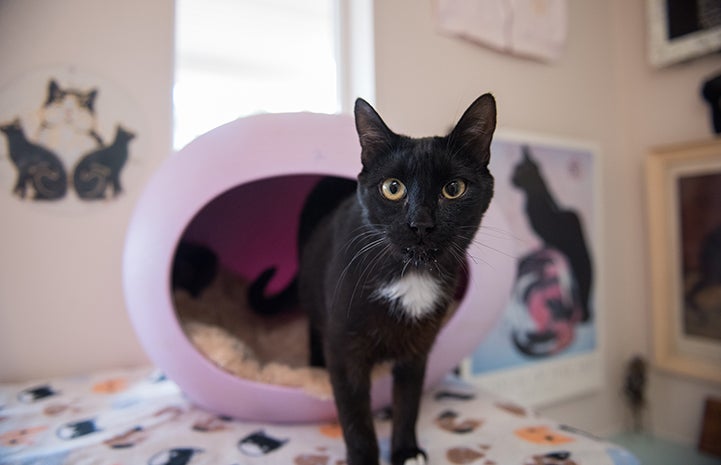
[393, 189]
[454, 189]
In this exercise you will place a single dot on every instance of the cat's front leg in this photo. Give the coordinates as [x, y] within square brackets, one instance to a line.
[20, 185]
[408, 378]
[117, 188]
[351, 390]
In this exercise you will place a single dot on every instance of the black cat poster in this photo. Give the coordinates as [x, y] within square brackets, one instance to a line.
[547, 340]
[66, 137]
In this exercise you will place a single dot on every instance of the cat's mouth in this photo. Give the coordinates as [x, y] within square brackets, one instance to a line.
[420, 257]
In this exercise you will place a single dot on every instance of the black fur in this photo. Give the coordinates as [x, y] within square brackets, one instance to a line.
[195, 266]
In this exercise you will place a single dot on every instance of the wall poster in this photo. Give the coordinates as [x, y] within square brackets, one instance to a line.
[546, 345]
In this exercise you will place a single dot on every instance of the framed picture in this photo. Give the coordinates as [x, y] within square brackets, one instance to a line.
[684, 227]
[679, 30]
[546, 346]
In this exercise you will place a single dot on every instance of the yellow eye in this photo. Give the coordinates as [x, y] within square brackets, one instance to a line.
[454, 189]
[393, 189]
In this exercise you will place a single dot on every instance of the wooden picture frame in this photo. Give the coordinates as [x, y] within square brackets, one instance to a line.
[679, 30]
[684, 230]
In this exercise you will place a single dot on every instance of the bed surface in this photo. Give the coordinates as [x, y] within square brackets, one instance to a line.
[139, 417]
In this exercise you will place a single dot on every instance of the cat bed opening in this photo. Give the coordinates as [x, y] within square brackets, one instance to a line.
[239, 190]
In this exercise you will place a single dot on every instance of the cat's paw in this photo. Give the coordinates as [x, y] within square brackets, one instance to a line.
[409, 457]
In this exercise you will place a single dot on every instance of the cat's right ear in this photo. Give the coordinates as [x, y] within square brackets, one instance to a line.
[374, 135]
[474, 131]
[53, 91]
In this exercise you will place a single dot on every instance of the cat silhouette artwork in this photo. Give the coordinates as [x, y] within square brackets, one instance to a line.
[545, 306]
[38, 168]
[100, 169]
[68, 122]
[556, 226]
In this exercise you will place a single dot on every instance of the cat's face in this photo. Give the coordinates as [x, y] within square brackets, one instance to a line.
[427, 196]
[69, 107]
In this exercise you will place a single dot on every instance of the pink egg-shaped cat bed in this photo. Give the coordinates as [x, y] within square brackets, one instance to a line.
[239, 189]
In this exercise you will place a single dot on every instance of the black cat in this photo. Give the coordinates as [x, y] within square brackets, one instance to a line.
[37, 166]
[101, 168]
[558, 227]
[377, 273]
[195, 267]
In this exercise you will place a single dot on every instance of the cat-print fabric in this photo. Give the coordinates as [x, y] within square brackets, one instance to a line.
[139, 417]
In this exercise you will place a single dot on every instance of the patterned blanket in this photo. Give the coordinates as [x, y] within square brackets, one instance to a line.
[140, 417]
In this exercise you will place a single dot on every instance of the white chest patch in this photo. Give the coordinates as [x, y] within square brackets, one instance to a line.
[415, 293]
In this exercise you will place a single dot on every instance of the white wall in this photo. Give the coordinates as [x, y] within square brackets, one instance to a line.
[61, 302]
[601, 90]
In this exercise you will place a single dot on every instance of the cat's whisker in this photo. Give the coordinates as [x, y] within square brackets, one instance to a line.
[368, 233]
[497, 250]
[477, 242]
[493, 232]
[363, 251]
[367, 270]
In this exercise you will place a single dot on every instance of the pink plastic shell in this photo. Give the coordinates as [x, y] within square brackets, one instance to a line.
[222, 187]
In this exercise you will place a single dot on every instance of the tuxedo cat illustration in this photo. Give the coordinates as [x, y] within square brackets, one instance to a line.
[100, 170]
[78, 429]
[450, 421]
[258, 444]
[37, 167]
[558, 227]
[68, 122]
[551, 458]
[176, 456]
[36, 393]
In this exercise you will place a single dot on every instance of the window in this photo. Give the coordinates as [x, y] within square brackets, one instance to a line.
[240, 57]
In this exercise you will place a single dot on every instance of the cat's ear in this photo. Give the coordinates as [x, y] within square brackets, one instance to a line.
[374, 135]
[526, 150]
[474, 131]
[89, 100]
[53, 92]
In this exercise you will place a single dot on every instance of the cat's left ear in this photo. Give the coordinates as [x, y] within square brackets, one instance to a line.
[474, 131]
[374, 135]
[89, 100]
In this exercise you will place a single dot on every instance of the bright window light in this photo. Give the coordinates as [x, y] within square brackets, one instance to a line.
[240, 57]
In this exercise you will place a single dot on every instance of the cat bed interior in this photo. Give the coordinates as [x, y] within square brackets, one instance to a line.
[239, 190]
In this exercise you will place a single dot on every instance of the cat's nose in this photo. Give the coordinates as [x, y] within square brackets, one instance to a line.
[422, 226]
